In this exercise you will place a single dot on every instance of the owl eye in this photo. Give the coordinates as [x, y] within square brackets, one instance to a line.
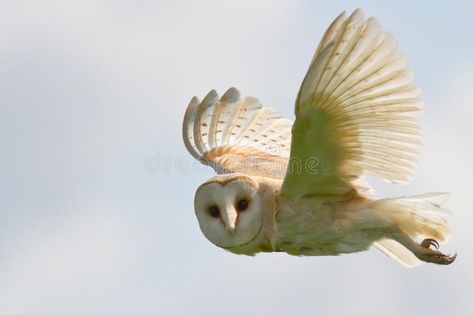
[242, 204]
[214, 212]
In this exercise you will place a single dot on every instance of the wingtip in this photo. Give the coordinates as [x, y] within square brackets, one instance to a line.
[194, 101]
[212, 94]
[187, 127]
[341, 16]
[210, 98]
[232, 95]
[358, 13]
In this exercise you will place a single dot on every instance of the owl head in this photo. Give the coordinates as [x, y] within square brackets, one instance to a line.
[229, 209]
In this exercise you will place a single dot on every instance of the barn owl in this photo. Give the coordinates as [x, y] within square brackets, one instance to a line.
[301, 187]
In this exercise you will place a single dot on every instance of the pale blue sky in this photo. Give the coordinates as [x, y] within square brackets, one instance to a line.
[92, 95]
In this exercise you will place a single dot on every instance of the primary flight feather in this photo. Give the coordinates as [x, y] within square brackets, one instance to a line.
[300, 187]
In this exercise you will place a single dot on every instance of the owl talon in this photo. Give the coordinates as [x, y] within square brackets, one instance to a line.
[438, 258]
[428, 242]
[430, 253]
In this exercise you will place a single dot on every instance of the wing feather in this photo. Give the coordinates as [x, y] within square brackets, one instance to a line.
[237, 135]
[355, 112]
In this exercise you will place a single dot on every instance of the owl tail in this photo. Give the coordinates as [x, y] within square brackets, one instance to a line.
[417, 217]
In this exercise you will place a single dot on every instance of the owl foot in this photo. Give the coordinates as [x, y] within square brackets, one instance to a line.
[430, 242]
[433, 255]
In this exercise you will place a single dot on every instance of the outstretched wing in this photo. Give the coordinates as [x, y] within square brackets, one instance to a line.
[237, 135]
[355, 113]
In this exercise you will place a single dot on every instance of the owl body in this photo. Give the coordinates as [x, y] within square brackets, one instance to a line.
[300, 187]
[328, 226]
[308, 226]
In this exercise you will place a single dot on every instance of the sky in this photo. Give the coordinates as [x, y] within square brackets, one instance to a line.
[96, 187]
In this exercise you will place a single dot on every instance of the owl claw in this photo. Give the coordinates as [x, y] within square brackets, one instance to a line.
[439, 258]
[428, 254]
[430, 242]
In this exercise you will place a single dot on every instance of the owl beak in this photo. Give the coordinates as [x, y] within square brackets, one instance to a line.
[230, 217]
[231, 227]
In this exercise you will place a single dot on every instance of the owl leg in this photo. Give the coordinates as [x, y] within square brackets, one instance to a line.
[427, 250]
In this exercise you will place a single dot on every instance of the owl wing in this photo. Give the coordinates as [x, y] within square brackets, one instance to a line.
[232, 135]
[355, 113]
